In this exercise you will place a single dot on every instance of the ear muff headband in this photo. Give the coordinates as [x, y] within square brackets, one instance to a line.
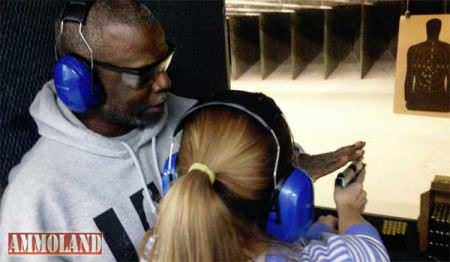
[73, 78]
[77, 12]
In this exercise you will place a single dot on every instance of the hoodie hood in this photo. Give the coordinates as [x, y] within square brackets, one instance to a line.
[56, 122]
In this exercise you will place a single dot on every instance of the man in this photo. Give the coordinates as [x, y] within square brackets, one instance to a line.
[98, 170]
[427, 83]
[90, 171]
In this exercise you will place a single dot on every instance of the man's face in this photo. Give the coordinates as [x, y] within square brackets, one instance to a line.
[129, 102]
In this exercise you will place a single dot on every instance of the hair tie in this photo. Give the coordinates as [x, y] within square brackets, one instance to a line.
[205, 169]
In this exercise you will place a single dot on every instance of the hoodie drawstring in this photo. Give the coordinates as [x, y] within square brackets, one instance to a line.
[141, 174]
[155, 161]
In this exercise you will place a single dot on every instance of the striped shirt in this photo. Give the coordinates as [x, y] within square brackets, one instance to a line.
[359, 242]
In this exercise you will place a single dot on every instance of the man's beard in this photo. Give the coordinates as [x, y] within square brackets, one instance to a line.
[120, 118]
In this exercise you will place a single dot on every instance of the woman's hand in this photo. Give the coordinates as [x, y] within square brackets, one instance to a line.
[330, 221]
[352, 197]
[350, 203]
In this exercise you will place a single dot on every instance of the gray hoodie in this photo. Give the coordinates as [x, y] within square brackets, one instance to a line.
[75, 180]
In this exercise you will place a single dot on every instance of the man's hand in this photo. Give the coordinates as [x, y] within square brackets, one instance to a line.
[323, 164]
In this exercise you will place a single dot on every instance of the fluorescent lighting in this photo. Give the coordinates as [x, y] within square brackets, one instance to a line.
[278, 5]
[241, 14]
[259, 10]
[259, 3]
[297, 4]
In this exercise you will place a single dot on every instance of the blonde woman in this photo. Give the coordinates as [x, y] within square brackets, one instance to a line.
[217, 208]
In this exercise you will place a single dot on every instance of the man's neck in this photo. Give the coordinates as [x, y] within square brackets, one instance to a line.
[103, 127]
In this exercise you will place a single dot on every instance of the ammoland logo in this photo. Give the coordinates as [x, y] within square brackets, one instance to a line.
[54, 243]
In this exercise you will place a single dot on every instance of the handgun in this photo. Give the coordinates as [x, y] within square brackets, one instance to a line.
[350, 174]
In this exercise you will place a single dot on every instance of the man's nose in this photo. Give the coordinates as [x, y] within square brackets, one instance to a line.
[162, 82]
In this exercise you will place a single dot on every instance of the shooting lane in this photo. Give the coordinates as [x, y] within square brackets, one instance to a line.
[337, 86]
[307, 45]
[243, 43]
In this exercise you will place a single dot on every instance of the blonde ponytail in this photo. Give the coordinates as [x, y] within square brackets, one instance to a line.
[194, 224]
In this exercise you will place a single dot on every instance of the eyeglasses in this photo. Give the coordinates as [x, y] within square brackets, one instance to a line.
[136, 77]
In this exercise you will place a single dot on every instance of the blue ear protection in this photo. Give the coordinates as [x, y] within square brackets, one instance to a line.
[73, 75]
[74, 84]
[169, 172]
[293, 202]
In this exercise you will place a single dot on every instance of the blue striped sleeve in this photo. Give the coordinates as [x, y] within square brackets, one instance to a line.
[316, 230]
[363, 229]
[361, 243]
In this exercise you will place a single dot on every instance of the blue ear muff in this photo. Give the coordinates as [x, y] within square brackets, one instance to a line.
[74, 84]
[294, 208]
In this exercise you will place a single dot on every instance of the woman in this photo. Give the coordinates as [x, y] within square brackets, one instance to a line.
[217, 208]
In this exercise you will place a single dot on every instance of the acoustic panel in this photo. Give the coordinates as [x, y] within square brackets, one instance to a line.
[307, 29]
[244, 43]
[275, 41]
